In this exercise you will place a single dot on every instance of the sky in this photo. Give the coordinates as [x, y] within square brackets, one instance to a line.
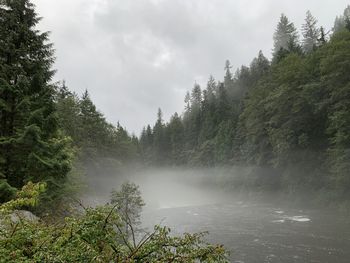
[135, 56]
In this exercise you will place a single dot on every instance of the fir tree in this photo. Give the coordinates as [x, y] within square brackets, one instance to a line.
[310, 33]
[31, 146]
[228, 80]
[285, 37]
[340, 22]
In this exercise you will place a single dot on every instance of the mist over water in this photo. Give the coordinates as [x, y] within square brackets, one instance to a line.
[160, 187]
[253, 227]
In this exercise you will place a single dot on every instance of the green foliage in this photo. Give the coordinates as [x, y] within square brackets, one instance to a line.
[92, 135]
[128, 203]
[7, 192]
[341, 22]
[94, 236]
[285, 37]
[291, 115]
[28, 196]
[32, 148]
[98, 144]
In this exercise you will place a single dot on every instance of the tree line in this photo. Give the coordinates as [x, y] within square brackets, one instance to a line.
[290, 113]
[45, 129]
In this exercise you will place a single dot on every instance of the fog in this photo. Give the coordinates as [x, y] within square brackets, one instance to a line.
[255, 226]
[132, 54]
[160, 187]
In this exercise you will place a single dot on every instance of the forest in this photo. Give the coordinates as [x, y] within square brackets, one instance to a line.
[288, 115]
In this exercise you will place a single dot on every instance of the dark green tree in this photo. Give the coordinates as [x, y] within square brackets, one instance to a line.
[31, 144]
[161, 143]
[175, 131]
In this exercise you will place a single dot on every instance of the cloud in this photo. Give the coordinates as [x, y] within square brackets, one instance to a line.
[135, 56]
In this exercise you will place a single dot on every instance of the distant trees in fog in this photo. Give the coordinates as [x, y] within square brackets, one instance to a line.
[290, 113]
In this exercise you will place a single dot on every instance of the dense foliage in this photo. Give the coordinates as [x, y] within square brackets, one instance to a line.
[32, 146]
[290, 114]
[46, 130]
[94, 236]
[92, 135]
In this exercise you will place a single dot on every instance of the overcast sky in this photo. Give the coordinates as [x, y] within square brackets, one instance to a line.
[134, 56]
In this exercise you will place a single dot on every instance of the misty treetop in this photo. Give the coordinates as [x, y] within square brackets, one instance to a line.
[290, 114]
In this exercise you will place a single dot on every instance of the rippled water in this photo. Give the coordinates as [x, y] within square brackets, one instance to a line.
[253, 231]
[263, 233]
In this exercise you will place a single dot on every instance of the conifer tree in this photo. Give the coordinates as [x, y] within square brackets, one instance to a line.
[341, 21]
[322, 40]
[31, 147]
[196, 97]
[211, 88]
[310, 33]
[228, 80]
[259, 67]
[285, 37]
[160, 142]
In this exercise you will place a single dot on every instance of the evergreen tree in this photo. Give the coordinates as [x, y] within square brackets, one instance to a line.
[68, 111]
[242, 83]
[290, 116]
[160, 139]
[341, 22]
[196, 98]
[285, 37]
[228, 79]
[310, 33]
[208, 127]
[259, 67]
[175, 130]
[322, 40]
[187, 102]
[192, 118]
[31, 145]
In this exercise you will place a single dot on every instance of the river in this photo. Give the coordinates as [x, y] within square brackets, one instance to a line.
[252, 230]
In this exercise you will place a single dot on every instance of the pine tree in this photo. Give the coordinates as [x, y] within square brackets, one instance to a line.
[310, 33]
[259, 67]
[228, 80]
[196, 97]
[160, 140]
[341, 21]
[176, 134]
[187, 101]
[322, 40]
[31, 146]
[211, 88]
[285, 37]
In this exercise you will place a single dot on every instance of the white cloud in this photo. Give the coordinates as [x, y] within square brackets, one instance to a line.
[135, 56]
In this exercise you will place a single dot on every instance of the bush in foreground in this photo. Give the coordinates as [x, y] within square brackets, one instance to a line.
[94, 236]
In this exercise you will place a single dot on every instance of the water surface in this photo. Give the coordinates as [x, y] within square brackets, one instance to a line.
[253, 230]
